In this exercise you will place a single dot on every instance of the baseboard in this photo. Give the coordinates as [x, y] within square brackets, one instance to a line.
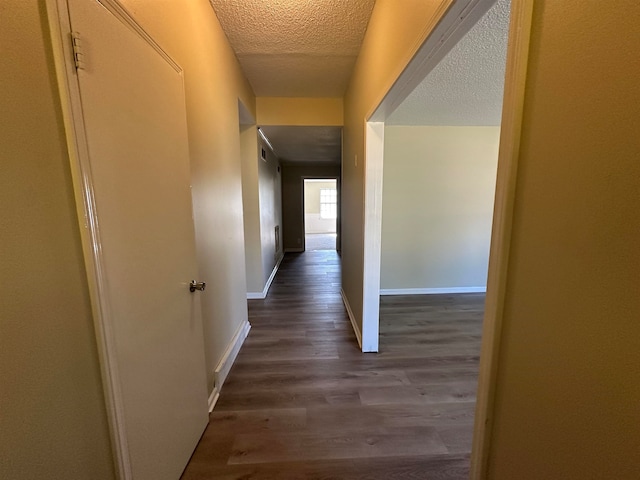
[225, 364]
[354, 325]
[293, 250]
[262, 295]
[273, 275]
[431, 291]
[213, 399]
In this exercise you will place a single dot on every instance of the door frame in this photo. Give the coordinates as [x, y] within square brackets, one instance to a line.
[506, 180]
[69, 90]
[373, 175]
[304, 221]
[451, 21]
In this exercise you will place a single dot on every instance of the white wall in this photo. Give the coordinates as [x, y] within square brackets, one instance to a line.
[439, 184]
[313, 223]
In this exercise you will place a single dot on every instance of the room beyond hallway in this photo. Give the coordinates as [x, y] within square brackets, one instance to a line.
[319, 241]
[302, 401]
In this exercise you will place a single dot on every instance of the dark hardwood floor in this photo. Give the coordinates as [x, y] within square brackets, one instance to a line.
[302, 402]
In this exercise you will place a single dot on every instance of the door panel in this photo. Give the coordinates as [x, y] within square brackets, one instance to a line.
[135, 121]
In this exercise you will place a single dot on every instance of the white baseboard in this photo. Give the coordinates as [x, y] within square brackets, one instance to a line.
[431, 291]
[293, 250]
[213, 399]
[262, 295]
[225, 364]
[354, 325]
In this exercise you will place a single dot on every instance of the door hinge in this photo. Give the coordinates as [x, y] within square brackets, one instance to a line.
[78, 54]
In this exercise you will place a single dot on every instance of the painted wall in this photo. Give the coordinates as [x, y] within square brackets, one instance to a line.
[294, 111]
[262, 200]
[293, 201]
[568, 385]
[437, 206]
[396, 29]
[299, 111]
[270, 189]
[53, 421]
[191, 34]
[313, 223]
[251, 208]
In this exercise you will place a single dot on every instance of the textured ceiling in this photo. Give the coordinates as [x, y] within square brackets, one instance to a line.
[466, 87]
[295, 48]
[296, 145]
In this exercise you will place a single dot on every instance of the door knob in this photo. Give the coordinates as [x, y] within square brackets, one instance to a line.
[193, 286]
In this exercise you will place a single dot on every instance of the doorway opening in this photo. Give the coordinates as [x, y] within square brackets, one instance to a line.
[320, 213]
[441, 176]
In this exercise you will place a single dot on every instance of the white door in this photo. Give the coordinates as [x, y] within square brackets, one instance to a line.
[134, 114]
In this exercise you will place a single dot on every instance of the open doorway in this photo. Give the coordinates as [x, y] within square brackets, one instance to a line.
[427, 247]
[438, 132]
[320, 213]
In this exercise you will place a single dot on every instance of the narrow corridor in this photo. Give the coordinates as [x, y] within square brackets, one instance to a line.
[302, 402]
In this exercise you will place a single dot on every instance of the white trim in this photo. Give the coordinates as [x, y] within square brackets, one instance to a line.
[224, 365]
[293, 250]
[511, 130]
[272, 276]
[262, 295]
[431, 291]
[374, 154]
[266, 140]
[213, 399]
[354, 325]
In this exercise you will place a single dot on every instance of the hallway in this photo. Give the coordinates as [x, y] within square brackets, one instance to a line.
[302, 402]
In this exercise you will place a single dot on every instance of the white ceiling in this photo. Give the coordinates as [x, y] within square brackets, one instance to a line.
[295, 48]
[295, 145]
[466, 87]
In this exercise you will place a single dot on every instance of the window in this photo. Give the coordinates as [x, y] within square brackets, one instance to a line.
[328, 203]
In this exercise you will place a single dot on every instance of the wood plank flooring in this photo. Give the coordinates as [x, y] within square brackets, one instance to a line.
[302, 402]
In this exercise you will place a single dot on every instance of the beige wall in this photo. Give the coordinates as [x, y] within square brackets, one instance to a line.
[568, 386]
[262, 199]
[270, 190]
[293, 200]
[396, 29]
[251, 208]
[191, 34]
[438, 189]
[53, 419]
[261, 193]
[52, 416]
[299, 111]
